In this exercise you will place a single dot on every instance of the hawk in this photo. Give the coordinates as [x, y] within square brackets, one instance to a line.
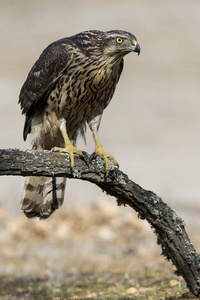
[68, 87]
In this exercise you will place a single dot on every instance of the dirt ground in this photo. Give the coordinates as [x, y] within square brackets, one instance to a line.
[104, 252]
[91, 248]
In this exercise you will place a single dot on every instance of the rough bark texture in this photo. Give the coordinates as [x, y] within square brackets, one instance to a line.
[169, 228]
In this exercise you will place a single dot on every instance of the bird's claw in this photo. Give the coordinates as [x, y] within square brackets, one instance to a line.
[86, 158]
[86, 154]
[71, 150]
[72, 170]
[91, 157]
[105, 156]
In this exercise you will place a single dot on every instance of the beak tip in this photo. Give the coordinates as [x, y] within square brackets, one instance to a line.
[138, 49]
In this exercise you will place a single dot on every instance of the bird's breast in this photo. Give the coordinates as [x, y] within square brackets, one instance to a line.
[83, 90]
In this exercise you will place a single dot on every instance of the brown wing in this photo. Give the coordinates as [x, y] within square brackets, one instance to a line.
[42, 77]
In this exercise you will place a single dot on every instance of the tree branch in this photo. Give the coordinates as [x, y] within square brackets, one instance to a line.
[169, 228]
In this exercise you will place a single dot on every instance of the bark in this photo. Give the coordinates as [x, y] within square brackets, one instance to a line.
[169, 228]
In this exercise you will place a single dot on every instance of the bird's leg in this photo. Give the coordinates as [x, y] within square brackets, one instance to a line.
[69, 148]
[99, 150]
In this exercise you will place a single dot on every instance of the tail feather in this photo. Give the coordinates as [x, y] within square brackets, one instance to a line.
[42, 196]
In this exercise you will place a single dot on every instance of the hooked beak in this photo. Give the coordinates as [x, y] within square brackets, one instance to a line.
[136, 48]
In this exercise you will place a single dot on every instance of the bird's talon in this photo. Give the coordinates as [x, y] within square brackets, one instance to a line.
[107, 174]
[86, 158]
[106, 159]
[86, 154]
[72, 169]
[92, 156]
[71, 150]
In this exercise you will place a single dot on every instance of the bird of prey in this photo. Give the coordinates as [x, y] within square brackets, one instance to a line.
[68, 87]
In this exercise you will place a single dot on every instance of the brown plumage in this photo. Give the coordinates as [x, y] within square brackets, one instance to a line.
[70, 85]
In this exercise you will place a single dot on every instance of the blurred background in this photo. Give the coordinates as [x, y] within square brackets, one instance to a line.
[152, 123]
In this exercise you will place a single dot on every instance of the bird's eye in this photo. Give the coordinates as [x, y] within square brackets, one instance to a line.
[119, 40]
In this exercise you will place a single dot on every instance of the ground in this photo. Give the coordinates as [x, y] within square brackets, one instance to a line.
[100, 252]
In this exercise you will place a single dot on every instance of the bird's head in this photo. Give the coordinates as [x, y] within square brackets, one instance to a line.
[118, 43]
[109, 44]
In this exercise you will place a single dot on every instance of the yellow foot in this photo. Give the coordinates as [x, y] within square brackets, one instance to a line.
[105, 155]
[71, 150]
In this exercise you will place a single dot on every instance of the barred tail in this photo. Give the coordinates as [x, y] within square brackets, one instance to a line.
[42, 196]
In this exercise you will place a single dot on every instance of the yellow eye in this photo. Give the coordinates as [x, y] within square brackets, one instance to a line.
[119, 40]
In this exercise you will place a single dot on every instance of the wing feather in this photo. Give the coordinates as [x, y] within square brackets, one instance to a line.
[51, 64]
